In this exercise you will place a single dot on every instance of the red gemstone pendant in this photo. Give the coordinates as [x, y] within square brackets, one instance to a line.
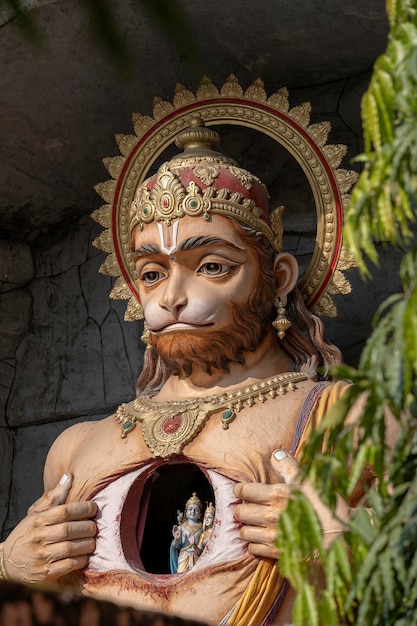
[172, 424]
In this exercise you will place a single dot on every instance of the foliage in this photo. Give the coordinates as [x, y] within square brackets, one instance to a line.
[383, 201]
[371, 572]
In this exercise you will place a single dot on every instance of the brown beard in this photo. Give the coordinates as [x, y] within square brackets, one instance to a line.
[181, 352]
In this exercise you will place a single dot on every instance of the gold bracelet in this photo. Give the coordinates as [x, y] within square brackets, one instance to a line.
[3, 575]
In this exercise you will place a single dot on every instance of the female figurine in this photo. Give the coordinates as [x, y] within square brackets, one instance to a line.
[208, 522]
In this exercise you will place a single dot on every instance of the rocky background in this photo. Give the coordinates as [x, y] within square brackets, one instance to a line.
[65, 352]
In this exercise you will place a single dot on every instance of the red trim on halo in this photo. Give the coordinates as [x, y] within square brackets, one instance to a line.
[259, 105]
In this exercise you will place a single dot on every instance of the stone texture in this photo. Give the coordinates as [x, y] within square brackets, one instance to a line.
[78, 358]
[6, 458]
[59, 316]
[30, 449]
[15, 313]
[353, 325]
[7, 372]
[95, 289]
[350, 101]
[62, 248]
[60, 109]
[81, 385]
[119, 375]
[16, 264]
[132, 332]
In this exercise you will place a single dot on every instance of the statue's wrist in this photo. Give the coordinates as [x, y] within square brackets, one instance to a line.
[3, 575]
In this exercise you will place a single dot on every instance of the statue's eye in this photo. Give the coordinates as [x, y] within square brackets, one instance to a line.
[151, 277]
[214, 269]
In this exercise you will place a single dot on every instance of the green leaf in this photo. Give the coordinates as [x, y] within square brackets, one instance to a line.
[372, 132]
[387, 574]
[312, 531]
[357, 467]
[327, 608]
[342, 559]
[361, 524]
[311, 609]
[365, 608]
[370, 563]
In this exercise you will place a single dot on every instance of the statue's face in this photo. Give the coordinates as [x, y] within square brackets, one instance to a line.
[192, 273]
[193, 513]
[209, 520]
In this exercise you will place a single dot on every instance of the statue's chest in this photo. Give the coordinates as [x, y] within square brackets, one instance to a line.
[139, 509]
[168, 463]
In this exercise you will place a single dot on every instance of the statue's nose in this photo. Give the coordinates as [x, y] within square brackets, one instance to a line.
[174, 297]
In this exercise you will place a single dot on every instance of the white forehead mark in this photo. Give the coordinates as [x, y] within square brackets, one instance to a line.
[162, 233]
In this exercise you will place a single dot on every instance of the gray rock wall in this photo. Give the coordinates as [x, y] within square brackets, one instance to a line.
[65, 352]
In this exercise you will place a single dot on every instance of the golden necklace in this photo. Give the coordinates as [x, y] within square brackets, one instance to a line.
[168, 427]
[192, 528]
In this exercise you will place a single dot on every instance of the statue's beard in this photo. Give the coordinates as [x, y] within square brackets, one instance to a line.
[182, 352]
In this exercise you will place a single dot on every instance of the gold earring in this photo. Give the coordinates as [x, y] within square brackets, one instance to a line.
[281, 323]
[146, 336]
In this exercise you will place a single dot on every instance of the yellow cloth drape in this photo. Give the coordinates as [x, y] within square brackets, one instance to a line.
[266, 582]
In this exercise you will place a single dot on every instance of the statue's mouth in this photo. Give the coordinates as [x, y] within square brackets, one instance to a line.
[179, 326]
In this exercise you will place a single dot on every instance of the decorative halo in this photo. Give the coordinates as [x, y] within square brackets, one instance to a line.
[271, 116]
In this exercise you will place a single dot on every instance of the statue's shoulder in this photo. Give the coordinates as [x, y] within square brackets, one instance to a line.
[74, 434]
[81, 430]
[62, 450]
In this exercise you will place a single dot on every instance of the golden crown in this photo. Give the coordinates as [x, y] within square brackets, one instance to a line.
[194, 500]
[201, 182]
[210, 509]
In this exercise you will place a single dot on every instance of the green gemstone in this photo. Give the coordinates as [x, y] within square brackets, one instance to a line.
[193, 203]
[145, 211]
[206, 216]
[227, 415]
[127, 425]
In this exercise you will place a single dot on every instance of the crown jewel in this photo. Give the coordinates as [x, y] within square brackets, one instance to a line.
[201, 181]
[194, 499]
[210, 509]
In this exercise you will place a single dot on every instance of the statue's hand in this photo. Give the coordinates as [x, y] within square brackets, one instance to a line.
[53, 539]
[191, 538]
[263, 504]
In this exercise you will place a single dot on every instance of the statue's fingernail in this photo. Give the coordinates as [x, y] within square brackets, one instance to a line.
[280, 454]
[64, 479]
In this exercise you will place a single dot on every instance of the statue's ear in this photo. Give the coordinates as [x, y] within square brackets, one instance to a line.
[286, 275]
